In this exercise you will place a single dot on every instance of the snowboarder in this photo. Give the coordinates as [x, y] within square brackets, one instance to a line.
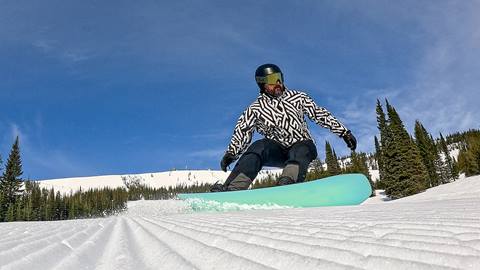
[278, 114]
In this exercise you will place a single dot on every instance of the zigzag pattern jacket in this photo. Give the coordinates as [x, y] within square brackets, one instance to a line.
[281, 119]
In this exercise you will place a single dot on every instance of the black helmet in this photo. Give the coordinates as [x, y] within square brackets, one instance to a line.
[262, 72]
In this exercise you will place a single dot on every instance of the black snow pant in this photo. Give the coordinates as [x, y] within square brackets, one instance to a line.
[265, 152]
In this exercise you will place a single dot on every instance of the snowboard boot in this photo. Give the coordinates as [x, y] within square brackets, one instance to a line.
[217, 187]
[285, 180]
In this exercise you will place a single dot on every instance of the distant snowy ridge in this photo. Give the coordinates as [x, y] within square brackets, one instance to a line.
[156, 180]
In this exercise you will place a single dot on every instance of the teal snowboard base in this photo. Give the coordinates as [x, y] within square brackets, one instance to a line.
[345, 189]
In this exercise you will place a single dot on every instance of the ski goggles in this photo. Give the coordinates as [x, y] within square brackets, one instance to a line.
[273, 78]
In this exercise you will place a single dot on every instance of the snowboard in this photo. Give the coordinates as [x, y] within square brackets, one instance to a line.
[345, 189]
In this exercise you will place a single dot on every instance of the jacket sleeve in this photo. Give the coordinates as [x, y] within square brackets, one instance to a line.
[243, 133]
[323, 117]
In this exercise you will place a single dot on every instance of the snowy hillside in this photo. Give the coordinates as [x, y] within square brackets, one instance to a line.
[161, 179]
[438, 229]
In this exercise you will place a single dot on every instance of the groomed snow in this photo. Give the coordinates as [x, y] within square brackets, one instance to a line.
[438, 229]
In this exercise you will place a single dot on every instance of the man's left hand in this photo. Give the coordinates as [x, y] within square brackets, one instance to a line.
[350, 140]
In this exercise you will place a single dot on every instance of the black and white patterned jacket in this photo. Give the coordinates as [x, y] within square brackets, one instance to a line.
[282, 120]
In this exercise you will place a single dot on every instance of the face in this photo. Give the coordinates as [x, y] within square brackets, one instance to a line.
[275, 90]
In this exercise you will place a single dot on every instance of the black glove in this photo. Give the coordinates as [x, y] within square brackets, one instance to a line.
[226, 160]
[350, 140]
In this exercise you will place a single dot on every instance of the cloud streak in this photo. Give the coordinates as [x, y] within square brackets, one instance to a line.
[444, 91]
[38, 160]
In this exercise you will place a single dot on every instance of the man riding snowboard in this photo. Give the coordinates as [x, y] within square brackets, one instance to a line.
[278, 114]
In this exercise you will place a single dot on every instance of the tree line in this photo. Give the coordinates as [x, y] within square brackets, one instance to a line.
[26, 201]
[468, 144]
[409, 165]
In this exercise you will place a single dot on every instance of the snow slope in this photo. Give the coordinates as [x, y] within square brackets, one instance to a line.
[438, 229]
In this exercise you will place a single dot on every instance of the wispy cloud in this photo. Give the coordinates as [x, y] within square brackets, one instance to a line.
[444, 91]
[55, 49]
[44, 45]
[39, 160]
[208, 153]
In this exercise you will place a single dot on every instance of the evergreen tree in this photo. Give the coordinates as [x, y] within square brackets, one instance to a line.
[452, 175]
[2, 198]
[331, 160]
[317, 171]
[28, 209]
[386, 153]
[269, 181]
[441, 169]
[10, 213]
[35, 198]
[11, 183]
[50, 205]
[455, 169]
[469, 156]
[428, 152]
[384, 145]
[59, 207]
[403, 172]
[337, 163]
[408, 171]
[20, 209]
[359, 165]
[378, 157]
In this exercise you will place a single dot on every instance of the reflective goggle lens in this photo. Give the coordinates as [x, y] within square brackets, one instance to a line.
[273, 78]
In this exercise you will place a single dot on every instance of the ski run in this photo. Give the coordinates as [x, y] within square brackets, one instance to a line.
[437, 229]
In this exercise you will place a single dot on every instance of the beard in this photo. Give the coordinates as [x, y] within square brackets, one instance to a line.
[276, 91]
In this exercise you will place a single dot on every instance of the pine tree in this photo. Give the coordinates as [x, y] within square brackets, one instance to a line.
[2, 198]
[317, 171]
[455, 169]
[378, 157]
[20, 208]
[337, 164]
[386, 153]
[36, 198]
[467, 164]
[11, 183]
[428, 152]
[50, 206]
[410, 175]
[403, 172]
[385, 144]
[10, 213]
[452, 176]
[441, 169]
[359, 165]
[331, 160]
[59, 207]
[469, 156]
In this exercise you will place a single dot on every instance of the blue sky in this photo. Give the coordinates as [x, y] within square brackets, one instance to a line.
[114, 87]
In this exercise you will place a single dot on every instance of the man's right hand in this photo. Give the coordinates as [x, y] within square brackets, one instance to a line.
[226, 160]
